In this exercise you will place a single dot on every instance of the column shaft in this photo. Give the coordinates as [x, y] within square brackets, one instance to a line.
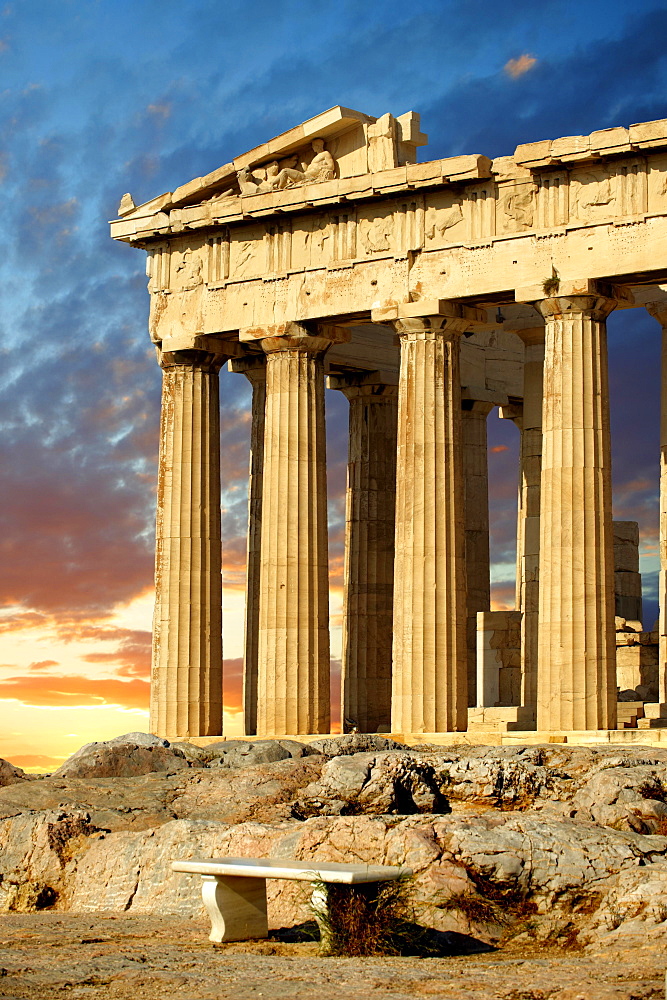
[430, 658]
[186, 687]
[529, 507]
[577, 663]
[369, 553]
[257, 377]
[476, 493]
[659, 311]
[293, 676]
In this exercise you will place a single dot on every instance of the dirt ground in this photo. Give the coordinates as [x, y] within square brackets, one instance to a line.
[53, 955]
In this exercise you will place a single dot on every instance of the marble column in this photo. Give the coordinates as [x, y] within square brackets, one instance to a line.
[476, 495]
[659, 311]
[293, 675]
[576, 644]
[528, 418]
[369, 550]
[254, 370]
[429, 687]
[186, 687]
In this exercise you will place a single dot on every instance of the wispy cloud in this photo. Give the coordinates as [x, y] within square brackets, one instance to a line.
[518, 67]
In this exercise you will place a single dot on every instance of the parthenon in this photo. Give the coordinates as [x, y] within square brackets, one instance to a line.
[427, 293]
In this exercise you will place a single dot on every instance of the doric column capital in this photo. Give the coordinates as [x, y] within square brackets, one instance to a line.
[297, 341]
[430, 327]
[597, 307]
[658, 310]
[296, 337]
[206, 361]
[559, 296]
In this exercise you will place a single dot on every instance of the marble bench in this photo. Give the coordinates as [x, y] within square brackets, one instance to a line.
[234, 889]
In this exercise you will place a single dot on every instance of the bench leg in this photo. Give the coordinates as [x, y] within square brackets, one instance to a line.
[236, 906]
[319, 904]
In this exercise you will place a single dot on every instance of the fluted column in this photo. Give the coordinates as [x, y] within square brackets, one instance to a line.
[659, 311]
[429, 689]
[369, 550]
[293, 676]
[528, 418]
[577, 663]
[186, 684]
[254, 370]
[476, 494]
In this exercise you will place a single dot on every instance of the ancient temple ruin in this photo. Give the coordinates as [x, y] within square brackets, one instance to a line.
[428, 294]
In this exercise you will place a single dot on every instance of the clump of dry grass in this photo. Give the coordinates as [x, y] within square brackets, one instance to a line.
[474, 908]
[370, 919]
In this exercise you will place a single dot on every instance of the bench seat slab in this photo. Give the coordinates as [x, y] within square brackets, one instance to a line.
[236, 906]
[309, 871]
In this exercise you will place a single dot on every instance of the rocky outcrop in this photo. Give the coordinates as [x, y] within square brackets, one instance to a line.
[123, 757]
[342, 746]
[556, 842]
[9, 774]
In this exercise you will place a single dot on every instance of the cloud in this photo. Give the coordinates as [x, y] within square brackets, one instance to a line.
[517, 67]
[498, 448]
[72, 691]
[503, 596]
[42, 664]
[490, 115]
[160, 110]
[35, 761]
[133, 653]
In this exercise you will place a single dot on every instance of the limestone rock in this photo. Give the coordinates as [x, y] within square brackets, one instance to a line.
[112, 803]
[10, 774]
[242, 753]
[626, 797]
[124, 756]
[339, 746]
[264, 792]
[374, 783]
[568, 832]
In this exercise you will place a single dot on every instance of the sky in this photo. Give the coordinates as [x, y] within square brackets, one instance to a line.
[100, 97]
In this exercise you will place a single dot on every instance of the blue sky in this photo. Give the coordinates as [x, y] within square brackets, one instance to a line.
[99, 98]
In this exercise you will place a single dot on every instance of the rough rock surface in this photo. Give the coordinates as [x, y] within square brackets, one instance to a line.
[122, 757]
[10, 774]
[555, 845]
[340, 746]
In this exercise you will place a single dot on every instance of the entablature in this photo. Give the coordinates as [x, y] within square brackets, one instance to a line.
[329, 238]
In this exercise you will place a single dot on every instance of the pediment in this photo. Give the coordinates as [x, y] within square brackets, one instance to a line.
[335, 144]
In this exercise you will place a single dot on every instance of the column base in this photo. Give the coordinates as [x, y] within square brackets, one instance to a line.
[653, 736]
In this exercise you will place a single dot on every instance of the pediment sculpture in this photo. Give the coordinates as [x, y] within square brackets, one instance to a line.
[280, 174]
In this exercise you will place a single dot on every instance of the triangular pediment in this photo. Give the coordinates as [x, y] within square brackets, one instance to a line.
[337, 143]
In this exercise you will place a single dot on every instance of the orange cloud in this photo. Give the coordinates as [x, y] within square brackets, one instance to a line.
[498, 448]
[503, 597]
[37, 760]
[22, 620]
[517, 67]
[42, 664]
[133, 654]
[232, 679]
[74, 691]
